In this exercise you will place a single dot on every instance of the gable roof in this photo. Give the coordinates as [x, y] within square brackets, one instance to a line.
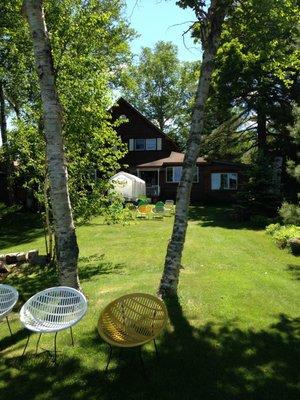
[145, 119]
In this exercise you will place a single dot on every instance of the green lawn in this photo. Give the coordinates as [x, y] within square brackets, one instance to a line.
[232, 331]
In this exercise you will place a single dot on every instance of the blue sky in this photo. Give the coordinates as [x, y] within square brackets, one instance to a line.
[162, 20]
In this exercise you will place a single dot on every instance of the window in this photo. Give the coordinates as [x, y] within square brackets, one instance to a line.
[224, 181]
[139, 144]
[150, 144]
[174, 174]
[143, 144]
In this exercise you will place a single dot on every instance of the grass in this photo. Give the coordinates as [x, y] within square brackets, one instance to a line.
[232, 332]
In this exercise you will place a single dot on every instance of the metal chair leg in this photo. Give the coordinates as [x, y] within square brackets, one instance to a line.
[8, 325]
[156, 352]
[37, 343]
[109, 357]
[26, 344]
[72, 338]
[142, 361]
[55, 347]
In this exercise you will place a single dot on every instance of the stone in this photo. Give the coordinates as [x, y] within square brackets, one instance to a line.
[31, 255]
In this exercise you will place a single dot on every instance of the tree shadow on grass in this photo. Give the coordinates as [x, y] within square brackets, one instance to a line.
[209, 363]
[97, 265]
[19, 228]
[218, 217]
[294, 270]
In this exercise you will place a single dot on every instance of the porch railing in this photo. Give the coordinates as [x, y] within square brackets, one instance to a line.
[153, 190]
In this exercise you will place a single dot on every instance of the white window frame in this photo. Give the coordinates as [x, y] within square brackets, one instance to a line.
[218, 175]
[132, 144]
[179, 166]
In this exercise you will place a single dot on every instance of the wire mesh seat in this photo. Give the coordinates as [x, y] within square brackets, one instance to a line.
[8, 298]
[132, 320]
[53, 310]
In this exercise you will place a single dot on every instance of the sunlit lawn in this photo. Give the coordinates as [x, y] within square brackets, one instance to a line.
[232, 331]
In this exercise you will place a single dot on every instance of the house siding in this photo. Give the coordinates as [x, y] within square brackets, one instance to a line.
[139, 127]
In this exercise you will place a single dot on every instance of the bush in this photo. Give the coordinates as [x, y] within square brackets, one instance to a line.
[272, 228]
[294, 246]
[282, 235]
[290, 213]
[115, 212]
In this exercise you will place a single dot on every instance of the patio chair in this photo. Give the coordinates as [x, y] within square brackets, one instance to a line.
[8, 298]
[144, 211]
[170, 207]
[159, 211]
[53, 310]
[131, 321]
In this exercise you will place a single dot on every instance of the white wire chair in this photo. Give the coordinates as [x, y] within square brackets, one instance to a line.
[53, 310]
[8, 298]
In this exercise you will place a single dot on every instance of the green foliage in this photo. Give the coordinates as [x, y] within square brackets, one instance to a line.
[90, 48]
[259, 194]
[290, 213]
[256, 71]
[163, 89]
[115, 211]
[282, 235]
[272, 228]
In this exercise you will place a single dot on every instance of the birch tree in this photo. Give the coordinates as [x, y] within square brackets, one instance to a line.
[65, 236]
[209, 27]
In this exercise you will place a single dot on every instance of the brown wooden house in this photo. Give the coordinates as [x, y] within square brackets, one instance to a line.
[157, 159]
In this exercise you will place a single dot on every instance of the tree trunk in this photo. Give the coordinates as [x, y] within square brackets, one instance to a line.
[262, 130]
[65, 236]
[210, 39]
[7, 158]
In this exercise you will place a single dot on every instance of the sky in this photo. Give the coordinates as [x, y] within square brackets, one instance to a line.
[156, 20]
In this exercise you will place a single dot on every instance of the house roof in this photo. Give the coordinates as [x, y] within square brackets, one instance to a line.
[173, 159]
[145, 119]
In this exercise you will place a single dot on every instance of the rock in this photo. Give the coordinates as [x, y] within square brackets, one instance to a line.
[11, 258]
[294, 245]
[3, 269]
[31, 255]
[39, 260]
[21, 257]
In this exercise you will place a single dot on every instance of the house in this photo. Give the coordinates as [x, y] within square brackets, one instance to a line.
[157, 159]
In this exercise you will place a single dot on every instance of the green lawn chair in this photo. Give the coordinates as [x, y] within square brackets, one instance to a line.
[159, 211]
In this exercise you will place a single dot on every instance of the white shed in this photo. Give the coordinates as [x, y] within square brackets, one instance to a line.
[129, 186]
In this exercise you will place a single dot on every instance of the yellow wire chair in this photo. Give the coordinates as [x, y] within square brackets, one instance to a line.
[144, 211]
[170, 207]
[131, 321]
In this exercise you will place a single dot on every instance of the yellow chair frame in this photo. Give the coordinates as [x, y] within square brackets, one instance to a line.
[132, 320]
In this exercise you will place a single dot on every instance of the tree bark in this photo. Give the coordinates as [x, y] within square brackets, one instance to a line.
[65, 236]
[8, 165]
[210, 35]
[261, 130]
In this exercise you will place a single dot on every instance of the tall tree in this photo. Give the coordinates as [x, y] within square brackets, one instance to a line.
[210, 23]
[66, 242]
[163, 88]
[257, 69]
[90, 48]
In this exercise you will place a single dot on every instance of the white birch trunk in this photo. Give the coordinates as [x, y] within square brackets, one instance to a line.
[65, 236]
[210, 36]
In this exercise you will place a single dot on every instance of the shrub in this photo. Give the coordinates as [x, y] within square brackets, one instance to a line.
[272, 228]
[115, 212]
[282, 235]
[290, 213]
